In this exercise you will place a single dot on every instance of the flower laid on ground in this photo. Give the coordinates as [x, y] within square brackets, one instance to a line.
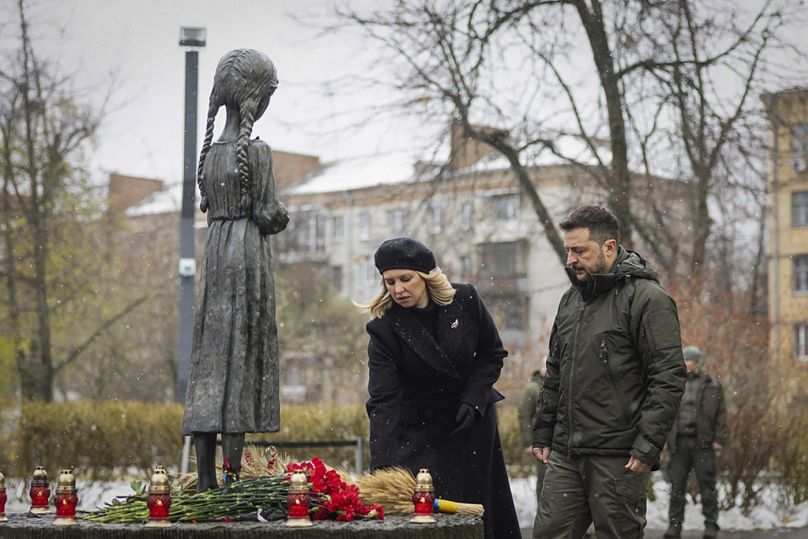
[264, 487]
[336, 498]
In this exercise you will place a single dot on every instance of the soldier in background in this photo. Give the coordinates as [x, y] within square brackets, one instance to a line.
[527, 415]
[699, 433]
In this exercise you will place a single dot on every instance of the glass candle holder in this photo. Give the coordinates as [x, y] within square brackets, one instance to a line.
[423, 498]
[299, 500]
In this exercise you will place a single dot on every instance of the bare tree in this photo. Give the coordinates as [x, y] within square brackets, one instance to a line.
[46, 209]
[716, 70]
[657, 106]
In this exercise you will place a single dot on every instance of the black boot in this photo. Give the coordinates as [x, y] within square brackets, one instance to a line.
[205, 448]
[711, 530]
[232, 449]
[674, 532]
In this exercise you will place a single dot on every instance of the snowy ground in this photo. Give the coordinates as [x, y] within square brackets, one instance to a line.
[768, 515]
[91, 495]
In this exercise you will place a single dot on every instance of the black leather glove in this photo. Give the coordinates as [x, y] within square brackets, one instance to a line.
[464, 420]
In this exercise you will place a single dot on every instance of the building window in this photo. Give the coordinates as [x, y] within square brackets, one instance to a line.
[436, 213]
[364, 226]
[308, 233]
[505, 206]
[337, 227]
[516, 314]
[319, 233]
[397, 220]
[466, 215]
[801, 273]
[465, 266]
[799, 208]
[336, 278]
[801, 341]
[369, 274]
[799, 147]
[498, 259]
[509, 311]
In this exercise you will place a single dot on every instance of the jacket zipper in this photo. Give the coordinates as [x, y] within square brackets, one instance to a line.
[604, 358]
[572, 372]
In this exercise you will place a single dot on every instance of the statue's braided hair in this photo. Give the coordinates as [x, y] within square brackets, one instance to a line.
[242, 153]
[243, 78]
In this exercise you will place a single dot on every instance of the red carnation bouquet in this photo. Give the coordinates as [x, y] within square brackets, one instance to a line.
[261, 493]
[332, 496]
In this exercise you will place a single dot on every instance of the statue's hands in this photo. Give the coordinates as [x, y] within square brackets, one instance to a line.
[272, 220]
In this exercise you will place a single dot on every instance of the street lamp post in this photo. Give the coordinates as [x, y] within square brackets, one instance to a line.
[194, 38]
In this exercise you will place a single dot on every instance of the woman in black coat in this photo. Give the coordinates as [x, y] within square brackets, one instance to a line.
[433, 357]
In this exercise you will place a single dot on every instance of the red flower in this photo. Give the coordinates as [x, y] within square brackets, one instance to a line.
[336, 497]
[347, 515]
[272, 460]
[320, 514]
[376, 511]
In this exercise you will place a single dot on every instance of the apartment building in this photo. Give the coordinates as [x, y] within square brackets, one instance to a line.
[471, 212]
[788, 238]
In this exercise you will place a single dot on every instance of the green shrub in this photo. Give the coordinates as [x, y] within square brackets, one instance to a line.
[791, 458]
[100, 439]
[316, 422]
[104, 439]
[519, 462]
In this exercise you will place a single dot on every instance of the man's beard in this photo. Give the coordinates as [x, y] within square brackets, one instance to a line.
[599, 267]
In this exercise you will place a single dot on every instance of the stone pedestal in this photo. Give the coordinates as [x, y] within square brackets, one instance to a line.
[398, 527]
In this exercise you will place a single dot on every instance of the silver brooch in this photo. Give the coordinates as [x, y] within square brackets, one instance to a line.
[455, 324]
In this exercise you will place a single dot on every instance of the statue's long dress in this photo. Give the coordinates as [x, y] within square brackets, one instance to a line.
[233, 380]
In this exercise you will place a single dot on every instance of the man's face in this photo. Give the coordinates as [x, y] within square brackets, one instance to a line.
[692, 366]
[585, 256]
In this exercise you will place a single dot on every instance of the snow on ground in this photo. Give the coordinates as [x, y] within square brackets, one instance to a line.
[770, 514]
[91, 494]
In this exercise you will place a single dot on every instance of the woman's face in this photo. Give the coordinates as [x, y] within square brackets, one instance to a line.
[407, 288]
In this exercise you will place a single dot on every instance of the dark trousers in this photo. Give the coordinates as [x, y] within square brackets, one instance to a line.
[580, 490]
[540, 469]
[689, 456]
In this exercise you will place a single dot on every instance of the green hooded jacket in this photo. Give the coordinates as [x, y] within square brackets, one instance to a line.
[615, 371]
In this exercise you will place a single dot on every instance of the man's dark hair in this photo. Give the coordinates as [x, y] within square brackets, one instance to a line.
[602, 223]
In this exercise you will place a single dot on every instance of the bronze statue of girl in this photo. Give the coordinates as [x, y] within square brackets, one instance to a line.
[233, 380]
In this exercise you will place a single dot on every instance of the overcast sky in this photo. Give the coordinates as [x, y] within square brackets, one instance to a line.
[137, 43]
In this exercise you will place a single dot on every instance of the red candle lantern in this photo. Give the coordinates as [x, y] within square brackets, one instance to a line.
[66, 499]
[40, 492]
[423, 498]
[159, 499]
[299, 500]
[3, 498]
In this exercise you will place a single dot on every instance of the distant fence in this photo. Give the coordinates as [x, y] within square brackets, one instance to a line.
[357, 442]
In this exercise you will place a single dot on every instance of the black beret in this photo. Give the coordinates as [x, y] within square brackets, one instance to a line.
[404, 253]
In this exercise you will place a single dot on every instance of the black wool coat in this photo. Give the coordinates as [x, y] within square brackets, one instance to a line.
[416, 384]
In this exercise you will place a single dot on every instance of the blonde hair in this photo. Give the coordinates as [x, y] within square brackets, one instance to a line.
[438, 286]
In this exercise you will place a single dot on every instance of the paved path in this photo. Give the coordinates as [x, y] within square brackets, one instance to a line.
[785, 533]
[789, 533]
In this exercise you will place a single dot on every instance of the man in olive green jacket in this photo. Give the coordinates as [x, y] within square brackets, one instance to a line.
[699, 432]
[615, 377]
